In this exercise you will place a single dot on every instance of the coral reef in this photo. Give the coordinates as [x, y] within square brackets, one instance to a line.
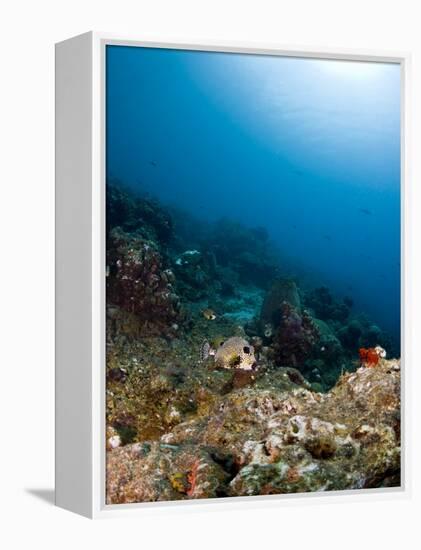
[325, 307]
[246, 251]
[135, 213]
[139, 284]
[225, 379]
[193, 277]
[256, 441]
[282, 290]
[295, 337]
[359, 332]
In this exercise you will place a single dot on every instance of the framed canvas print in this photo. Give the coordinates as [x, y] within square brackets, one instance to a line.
[230, 291]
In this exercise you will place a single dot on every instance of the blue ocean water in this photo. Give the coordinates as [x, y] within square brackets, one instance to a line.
[307, 148]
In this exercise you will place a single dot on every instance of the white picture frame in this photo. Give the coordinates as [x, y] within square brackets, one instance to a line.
[80, 273]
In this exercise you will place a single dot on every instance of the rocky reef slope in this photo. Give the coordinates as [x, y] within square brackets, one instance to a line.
[226, 378]
[274, 437]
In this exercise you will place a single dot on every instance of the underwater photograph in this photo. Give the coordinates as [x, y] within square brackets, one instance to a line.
[253, 275]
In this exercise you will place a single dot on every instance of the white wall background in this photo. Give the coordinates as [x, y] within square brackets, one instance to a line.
[28, 30]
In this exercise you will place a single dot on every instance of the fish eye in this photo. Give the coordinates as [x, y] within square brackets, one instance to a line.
[246, 349]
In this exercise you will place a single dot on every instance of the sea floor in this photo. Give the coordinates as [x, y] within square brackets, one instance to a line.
[225, 378]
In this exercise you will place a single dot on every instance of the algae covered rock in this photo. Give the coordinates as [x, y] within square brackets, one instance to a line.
[145, 472]
[348, 439]
[255, 441]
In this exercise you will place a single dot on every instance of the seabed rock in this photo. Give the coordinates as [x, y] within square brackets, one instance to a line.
[271, 439]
